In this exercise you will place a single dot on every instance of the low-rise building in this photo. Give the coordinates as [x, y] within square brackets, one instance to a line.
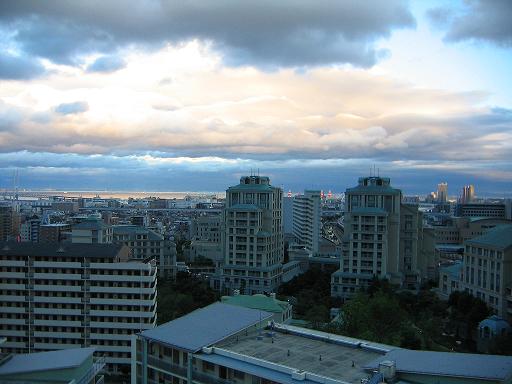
[449, 279]
[242, 345]
[282, 311]
[91, 231]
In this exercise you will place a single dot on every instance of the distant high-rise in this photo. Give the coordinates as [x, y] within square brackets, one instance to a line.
[6, 216]
[442, 192]
[253, 236]
[307, 224]
[468, 194]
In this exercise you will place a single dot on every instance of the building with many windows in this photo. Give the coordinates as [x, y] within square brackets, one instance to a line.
[253, 237]
[307, 221]
[59, 296]
[91, 231]
[244, 346]
[487, 269]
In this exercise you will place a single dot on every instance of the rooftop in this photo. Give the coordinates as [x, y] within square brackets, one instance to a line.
[91, 223]
[12, 248]
[205, 326]
[259, 301]
[45, 361]
[130, 229]
[453, 270]
[500, 237]
[464, 365]
[336, 360]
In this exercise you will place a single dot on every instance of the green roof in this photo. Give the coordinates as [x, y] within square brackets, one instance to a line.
[499, 237]
[259, 301]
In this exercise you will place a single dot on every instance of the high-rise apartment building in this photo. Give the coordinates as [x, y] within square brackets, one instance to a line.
[6, 216]
[59, 296]
[442, 192]
[29, 230]
[252, 237]
[487, 269]
[382, 239]
[206, 235]
[468, 194]
[307, 223]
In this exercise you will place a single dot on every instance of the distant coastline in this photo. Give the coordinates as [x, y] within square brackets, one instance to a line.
[117, 194]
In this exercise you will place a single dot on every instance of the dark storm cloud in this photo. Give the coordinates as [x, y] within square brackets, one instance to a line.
[106, 64]
[72, 108]
[19, 67]
[266, 33]
[485, 20]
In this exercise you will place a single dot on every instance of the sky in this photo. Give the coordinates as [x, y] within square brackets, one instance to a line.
[189, 96]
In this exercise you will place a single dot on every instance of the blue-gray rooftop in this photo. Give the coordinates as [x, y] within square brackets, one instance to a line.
[453, 270]
[499, 237]
[463, 365]
[205, 326]
[45, 361]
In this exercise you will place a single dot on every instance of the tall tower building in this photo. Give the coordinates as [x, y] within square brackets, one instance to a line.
[468, 194]
[371, 242]
[307, 224]
[253, 236]
[442, 192]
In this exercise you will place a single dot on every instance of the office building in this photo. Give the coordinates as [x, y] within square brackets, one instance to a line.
[252, 237]
[468, 194]
[442, 193]
[383, 238]
[487, 269]
[206, 243]
[146, 244]
[245, 346]
[92, 230]
[449, 279]
[307, 221]
[59, 296]
[491, 210]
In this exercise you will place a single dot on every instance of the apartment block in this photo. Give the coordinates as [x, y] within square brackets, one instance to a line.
[487, 269]
[244, 346]
[206, 235]
[92, 230]
[307, 223]
[6, 216]
[253, 237]
[60, 296]
[54, 233]
[495, 210]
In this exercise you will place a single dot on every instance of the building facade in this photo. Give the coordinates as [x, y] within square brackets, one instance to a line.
[307, 221]
[56, 296]
[253, 237]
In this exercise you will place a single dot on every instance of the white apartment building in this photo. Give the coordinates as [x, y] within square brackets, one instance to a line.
[307, 221]
[60, 296]
[253, 237]
[487, 269]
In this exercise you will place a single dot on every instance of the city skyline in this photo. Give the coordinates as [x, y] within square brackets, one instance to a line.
[173, 97]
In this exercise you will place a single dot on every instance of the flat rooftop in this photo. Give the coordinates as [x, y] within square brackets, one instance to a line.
[303, 353]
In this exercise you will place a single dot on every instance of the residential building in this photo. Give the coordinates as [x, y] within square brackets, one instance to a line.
[206, 235]
[6, 216]
[244, 346]
[459, 229]
[487, 269]
[307, 221]
[70, 366]
[253, 237]
[449, 279]
[29, 230]
[54, 233]
[494, 210]
[59, 296]
[442, 193]
[65, 206]
[91, 231]
[383, 238]
[146, 244]
[288, 214]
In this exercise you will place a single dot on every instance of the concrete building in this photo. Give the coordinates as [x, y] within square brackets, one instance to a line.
[494, 210]
[29, 230]
[253, 237]
[288, 214]
[54, 233]
[468, 194]
[65, 206]
[244, 346]
[487, 269]
[442, 192]
[459, 229]
[449, 279]
[146, 244]
[206, 235]
[6, 213]
[60, 296]
[91, 231]
[71, 366]
[307, 221]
